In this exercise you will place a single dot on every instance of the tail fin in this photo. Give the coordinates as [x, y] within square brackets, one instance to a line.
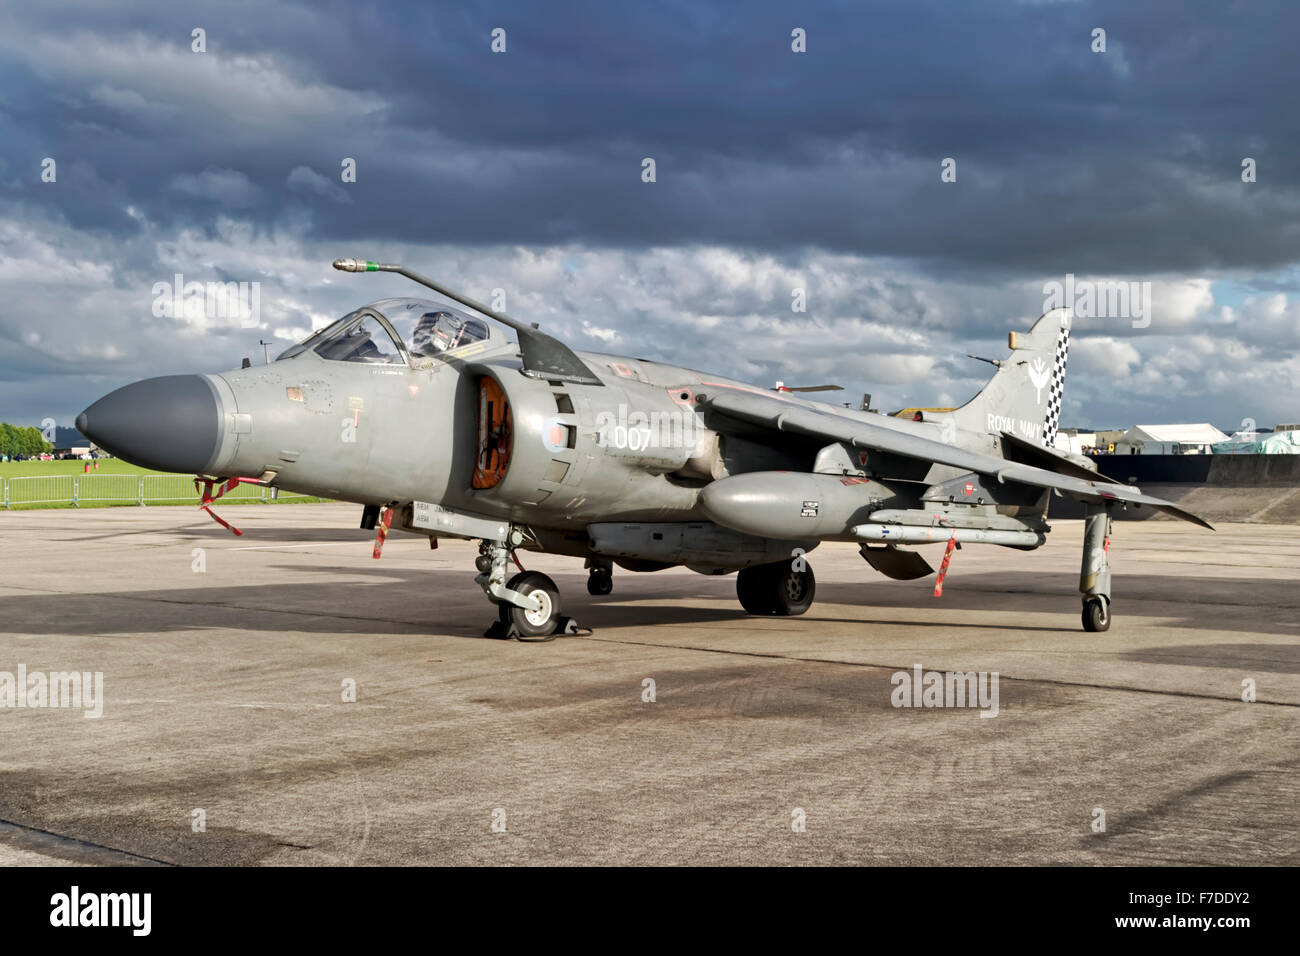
[1024, 397]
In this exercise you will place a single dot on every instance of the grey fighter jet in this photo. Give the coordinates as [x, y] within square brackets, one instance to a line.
[434, 420]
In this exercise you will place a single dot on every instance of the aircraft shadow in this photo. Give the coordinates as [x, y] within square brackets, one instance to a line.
[402, 600]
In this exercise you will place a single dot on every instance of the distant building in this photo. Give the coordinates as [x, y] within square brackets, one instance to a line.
[75, 451]
[1194, 439]
[1090, 440]
[1073, 441]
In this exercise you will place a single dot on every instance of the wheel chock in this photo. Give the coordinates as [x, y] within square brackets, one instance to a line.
[563, 625]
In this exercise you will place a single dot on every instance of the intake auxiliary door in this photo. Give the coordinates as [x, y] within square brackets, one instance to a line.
[495, 434]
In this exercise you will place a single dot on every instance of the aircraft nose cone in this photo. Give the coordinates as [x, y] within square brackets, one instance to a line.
[170, 423]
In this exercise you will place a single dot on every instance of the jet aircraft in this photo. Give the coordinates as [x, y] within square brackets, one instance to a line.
[433, 420]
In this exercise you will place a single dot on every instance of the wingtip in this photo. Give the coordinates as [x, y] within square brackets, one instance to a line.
[1189, 517]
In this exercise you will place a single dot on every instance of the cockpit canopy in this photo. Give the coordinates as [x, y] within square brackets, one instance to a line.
[387, 331]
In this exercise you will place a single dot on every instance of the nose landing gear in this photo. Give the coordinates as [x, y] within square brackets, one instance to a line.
[528, 605]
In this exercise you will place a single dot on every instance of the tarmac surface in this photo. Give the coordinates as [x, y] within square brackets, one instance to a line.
[224, 671]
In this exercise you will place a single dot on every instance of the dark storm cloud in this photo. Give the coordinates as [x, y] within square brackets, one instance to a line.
[1127, 161]
[775, 170]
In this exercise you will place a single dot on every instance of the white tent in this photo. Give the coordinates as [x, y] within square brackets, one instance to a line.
[1194, 439]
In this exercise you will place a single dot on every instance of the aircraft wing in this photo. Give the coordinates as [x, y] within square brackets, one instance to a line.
[784, 415]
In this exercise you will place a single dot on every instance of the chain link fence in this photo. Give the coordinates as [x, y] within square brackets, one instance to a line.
[43, 491]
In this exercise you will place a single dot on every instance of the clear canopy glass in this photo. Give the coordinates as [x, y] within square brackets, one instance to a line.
[425, 330]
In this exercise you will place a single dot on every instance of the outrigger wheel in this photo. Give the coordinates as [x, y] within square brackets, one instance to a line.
[1094, 574]
[776, 588]
[538, 625]
[1096, 614]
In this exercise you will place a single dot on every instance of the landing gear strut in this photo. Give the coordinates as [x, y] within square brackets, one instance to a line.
[1094, 576]
[783, 589]
[528, 605]
[600, 580]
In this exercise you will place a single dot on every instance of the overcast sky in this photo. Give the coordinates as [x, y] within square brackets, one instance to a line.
[774, 170]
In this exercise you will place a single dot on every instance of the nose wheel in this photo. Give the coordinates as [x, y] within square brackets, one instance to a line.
[539, 623]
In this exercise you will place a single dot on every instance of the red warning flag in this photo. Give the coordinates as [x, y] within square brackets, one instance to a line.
[381, 532]
[209, 497]
[943, 568]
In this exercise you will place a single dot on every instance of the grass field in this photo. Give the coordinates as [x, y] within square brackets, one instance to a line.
[116, 483]
[107, 466]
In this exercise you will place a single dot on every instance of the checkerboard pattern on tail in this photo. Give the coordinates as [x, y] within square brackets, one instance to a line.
[1057, 387]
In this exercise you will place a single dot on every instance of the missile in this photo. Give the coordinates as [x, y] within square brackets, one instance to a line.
[903, 534]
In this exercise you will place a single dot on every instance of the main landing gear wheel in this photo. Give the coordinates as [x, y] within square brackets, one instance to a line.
[1096, 614]
[776, 588]
[600, 580]
[539, 625]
